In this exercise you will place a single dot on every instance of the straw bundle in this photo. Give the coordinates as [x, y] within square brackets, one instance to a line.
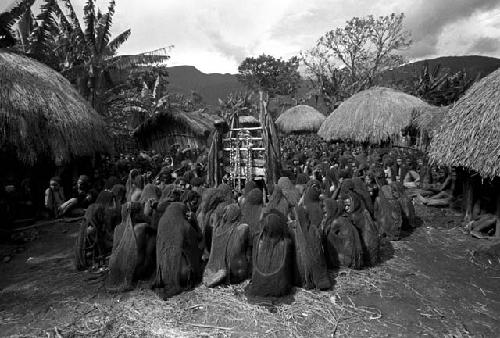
[300, 118]
[470, 133]
[373, 115]
[41, 114]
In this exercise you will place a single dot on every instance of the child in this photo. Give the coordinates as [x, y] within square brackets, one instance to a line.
[54, 197]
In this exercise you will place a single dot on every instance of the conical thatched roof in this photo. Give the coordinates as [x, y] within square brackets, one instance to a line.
[470, 133]
[429, 120]
[300, 118]
[372, 115]
[41, 114]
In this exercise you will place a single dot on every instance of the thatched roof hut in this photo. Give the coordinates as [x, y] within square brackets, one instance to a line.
[470, 133]
[42, 115]
[301, 118]
[169, 127]
[374, 115]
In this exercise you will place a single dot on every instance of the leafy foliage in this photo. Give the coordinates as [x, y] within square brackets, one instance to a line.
[436, 85]
[349, 59]
[7, 20]
[275, 76]
[86, 55]
[236, 104]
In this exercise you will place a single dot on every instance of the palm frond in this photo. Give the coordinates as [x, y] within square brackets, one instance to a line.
[73, 18]
[90, 20]
[42, 39]
[8, 18]
[117, 42]
[104, 27]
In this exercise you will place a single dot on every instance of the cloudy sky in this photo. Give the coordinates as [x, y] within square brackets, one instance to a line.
[216, 35]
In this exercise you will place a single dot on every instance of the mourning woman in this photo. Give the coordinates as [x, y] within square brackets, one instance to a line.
[230, 254]
[366, 227]
[95, 238]
[342, 242]
[272, 274]
[133, 256]
[178, 256]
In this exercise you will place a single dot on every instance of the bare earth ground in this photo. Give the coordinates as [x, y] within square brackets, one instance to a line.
[430, 284]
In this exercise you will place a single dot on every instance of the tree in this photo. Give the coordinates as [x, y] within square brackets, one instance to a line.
[327, 82]
[274, 76]
[365, 47]
[9, 18]
[439, 88]
[86, 55]
[236, 104]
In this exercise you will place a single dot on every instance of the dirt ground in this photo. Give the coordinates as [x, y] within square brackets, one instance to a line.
[430, 283]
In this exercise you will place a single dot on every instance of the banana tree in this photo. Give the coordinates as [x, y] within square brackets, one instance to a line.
[86, 55]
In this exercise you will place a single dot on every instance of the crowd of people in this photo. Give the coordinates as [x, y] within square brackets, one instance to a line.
[152, 216]
[334, 206]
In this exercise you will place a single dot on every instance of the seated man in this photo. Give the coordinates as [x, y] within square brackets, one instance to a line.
[412, 178]
[444, 196]
[83, 196]
[485, 226]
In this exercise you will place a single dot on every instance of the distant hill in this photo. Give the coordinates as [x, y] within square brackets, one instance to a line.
[184, 79]
[474, 65]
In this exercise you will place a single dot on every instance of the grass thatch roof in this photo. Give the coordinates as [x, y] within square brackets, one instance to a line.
[300, 118]
[170, 122]
[41, 114]
[470, 133]
[429, 119]
[373, 115]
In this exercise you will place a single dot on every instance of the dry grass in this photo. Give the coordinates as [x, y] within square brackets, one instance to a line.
[225, 311]
[300, 118]
[373, 115]
[470, 133]
[41, 113]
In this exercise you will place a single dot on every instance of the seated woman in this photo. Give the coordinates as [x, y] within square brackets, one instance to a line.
[54, 197]
[272, 274]
[388, 214]
[178, 256]
[310, 257]
[134, 239]
[82, 197]
[369, 235]
[95, 239]
[230, 255]
[342, 243]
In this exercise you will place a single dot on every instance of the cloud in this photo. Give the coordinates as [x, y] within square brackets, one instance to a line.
[217, 35]
[428, 19]
[485, 45]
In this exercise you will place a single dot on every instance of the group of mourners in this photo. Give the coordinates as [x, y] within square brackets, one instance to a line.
[334, 206]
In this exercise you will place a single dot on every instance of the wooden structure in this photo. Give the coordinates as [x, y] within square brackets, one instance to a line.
[242, 151]
[170, 127]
